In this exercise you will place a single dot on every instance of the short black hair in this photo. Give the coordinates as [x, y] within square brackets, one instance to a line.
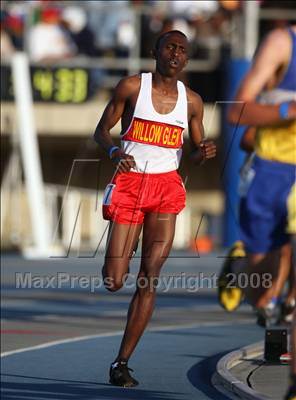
[163, 36]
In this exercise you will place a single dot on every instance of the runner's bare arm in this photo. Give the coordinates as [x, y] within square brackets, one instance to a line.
[247, 142]
[202, 149]
[111, 115]
[273, 53]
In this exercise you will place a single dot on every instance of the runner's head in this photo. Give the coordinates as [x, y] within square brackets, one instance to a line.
[171, 53]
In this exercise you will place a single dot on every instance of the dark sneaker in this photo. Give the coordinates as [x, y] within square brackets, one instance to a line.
[120, 376]
[268, 316]
[287, 311]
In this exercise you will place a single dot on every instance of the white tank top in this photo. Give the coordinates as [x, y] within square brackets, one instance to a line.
[155, 140]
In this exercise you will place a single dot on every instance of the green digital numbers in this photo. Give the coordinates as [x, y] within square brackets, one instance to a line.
[80, 85]
[62, 85]
[43, 83]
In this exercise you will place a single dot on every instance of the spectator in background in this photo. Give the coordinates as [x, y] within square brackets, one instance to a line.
[151, 26]
[75, 24]
[14, 25]
[74, 20]
[191, 9]
[47, 40]
[125, 37]
[7, 47]
[114, 30]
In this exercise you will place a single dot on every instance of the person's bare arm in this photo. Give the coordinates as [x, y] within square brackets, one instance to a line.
[247, 142]
[202, 149]
[111, 115]
[273, 53]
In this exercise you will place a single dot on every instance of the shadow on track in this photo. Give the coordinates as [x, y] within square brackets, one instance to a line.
[58, 389]
[200, 375]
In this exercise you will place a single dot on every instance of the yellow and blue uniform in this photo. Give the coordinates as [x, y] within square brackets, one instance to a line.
[291, 228]
[263, 211]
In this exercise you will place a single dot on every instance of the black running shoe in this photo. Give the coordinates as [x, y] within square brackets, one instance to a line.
[287, 311]
[120, 376]
[268, 316]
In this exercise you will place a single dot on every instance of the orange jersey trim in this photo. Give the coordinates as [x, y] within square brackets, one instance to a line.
[154, 133]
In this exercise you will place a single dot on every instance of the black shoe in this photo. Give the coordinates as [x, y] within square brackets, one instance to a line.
[287, 311]
[120, 376]
[268, 316]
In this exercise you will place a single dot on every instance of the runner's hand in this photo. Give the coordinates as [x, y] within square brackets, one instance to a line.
[207, 149]
[124, 162]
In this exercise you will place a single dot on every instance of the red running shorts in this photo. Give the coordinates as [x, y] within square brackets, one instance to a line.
[131, 195]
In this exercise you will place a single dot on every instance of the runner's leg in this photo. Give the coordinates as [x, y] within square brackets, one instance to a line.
[284, 269]
[158, 235]
[122, 239]
[262, 264]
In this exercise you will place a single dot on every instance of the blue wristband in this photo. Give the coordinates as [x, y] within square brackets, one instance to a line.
[112, 149]
[284, 109]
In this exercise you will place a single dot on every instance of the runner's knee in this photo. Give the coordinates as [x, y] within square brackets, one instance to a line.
[151, 266]
[113, 286]
[113, 283]
[148, 280]
[113, 280]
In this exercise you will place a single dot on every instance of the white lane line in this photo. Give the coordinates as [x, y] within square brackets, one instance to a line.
[117, 333]
[58, 342]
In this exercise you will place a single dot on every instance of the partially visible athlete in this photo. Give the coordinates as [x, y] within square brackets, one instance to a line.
[291, 393]
[263, 210]
[147, 192]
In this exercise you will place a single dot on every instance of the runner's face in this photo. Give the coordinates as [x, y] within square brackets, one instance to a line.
[172, 55]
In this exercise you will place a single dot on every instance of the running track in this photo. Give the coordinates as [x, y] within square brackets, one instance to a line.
[175, 359]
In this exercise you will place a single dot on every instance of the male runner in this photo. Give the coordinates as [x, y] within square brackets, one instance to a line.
[263, 210]
[147, 192]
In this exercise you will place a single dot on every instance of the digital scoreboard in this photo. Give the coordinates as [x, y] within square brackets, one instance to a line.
[59, 84]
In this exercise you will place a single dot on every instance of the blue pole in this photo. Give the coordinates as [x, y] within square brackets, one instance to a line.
[233, 155]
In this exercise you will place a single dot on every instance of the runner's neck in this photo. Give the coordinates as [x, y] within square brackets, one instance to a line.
[166, 83]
